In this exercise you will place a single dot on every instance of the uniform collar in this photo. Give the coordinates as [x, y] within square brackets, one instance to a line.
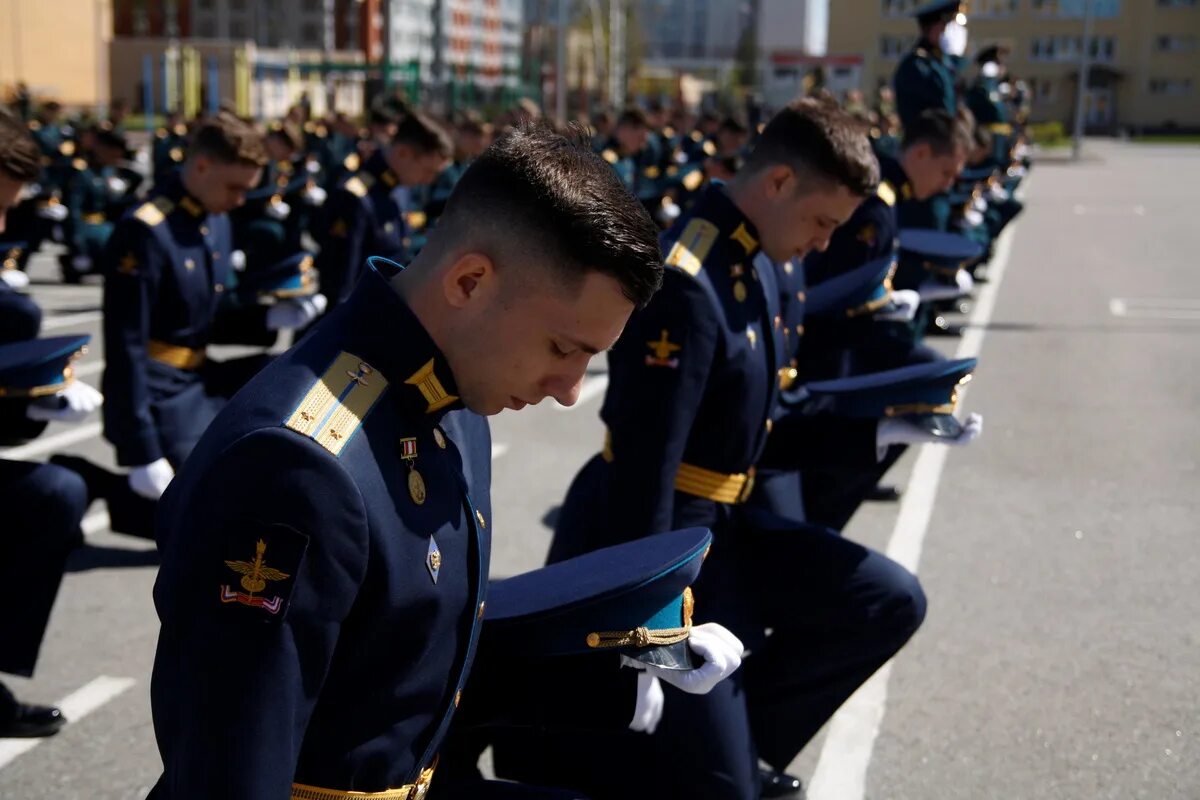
[894, 174]
[386, 334]
[378, 168]
[718, 208]
[189, 207]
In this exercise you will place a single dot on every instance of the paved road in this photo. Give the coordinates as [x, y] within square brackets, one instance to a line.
[1061, 656]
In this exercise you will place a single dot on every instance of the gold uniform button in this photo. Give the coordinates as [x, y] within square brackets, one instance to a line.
[204, 230]
[479, 615]
[479, 516]
[457, 698]
[219, 288]
[770, 424]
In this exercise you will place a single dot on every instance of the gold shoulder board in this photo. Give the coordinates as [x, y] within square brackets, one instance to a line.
[886, 193]
[335, 406]
[692, 247]
[356, 187]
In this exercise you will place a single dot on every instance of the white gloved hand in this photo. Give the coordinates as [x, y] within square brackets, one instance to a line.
[973, 217]
[295, 312]
[72, 404]
[1017, 171]
[117, 185]
[15, 278]
[315, 195]
[979, 204]
[722, 654]
[237, 260]
[964, 280]
[649, 708]
[998, 193]
[55, 212]
[82, 263]
[900, 431]
[151, 480]
[313, 167]
[954, 39]
[903, 307]
[278, 211]
[29, 190]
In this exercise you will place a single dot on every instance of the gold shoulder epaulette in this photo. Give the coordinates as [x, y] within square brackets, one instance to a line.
[356, 187]
[334, 408]
[609, 155]
[79, 164]
[710, 149]
[886, 193]
[693, 246]
[352, 162]
[160, 133]
[693, 179]
[155, 211]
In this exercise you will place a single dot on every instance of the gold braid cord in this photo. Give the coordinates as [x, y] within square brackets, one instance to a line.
[638, 637]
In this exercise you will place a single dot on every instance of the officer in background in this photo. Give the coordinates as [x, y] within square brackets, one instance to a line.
[43, 504]
[98, 193]
[167, 271]
[170, 147]
[925, 77]
[343, 499]
[365, 215]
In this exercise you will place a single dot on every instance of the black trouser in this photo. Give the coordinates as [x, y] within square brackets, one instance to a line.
[42, 507]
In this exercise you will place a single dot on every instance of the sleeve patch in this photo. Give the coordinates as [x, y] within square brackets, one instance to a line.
[662, 352]
[259, 571]
[693, 246]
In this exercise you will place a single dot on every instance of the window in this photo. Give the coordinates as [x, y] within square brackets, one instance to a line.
[1175, 44]
[899, 8]
[1069, 48]
[1074, 9]
[312, 34]
[994, 8]
[1176, 3]
[1171, 86]
[1044, 90]
[206, 28]
[237, 29]
[895, 46]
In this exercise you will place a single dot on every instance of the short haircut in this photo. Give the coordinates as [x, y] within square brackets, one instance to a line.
[733, 125]
[289, 133]
[536, 196]
[633, 116]
[821, 143]
[229, 140]
[940, 130]
[20, 158]
[423, 134]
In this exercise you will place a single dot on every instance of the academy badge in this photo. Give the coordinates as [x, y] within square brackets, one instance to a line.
[661, 352]
[255, 577]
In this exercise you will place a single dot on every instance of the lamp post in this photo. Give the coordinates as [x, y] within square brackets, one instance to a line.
[1085, 58]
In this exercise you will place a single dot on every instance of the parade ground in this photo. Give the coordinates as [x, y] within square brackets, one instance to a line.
[1059, 552]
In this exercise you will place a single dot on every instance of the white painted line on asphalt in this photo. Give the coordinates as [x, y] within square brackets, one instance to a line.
[71, 320]
[1184, 309]
[75, 707]
[841, 772]
[498, 449]
[592, 388]
[50, 444]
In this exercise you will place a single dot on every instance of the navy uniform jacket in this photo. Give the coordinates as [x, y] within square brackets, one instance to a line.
[362, 218]
[318, 622]
[694, 380]
[924, 79]
[166, 270]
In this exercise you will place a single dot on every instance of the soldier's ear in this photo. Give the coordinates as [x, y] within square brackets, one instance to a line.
[469, 280]
[780, 181]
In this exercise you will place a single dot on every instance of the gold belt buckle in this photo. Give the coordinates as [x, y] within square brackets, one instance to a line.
[747, 487]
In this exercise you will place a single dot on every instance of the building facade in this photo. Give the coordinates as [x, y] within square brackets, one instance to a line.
[1145, 72]
[59, 50]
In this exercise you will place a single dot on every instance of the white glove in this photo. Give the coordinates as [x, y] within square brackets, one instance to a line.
[669, 212]
[722, 653]
[900, 431]
[278, 211]
[72, 404]
[117, 185]
[979, 204]
[15, 278]
[313, 167]
[55, 212]
[296, 312]
[1017, 171]
[28, 191]
[973, 217]
[903, 307]
[82, 263]
[649, 709]
[237, 260]
[151, 480]
[315, 195]
[998, 193]
[954, 39]
[990, 70]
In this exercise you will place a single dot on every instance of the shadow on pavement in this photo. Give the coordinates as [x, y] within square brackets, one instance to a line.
[91, 557]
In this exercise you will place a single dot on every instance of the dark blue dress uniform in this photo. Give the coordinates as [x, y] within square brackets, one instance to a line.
[20, 316]
[362, 218]
[166, 273]
[693, 394]
[924, 79]
[319, 621]
[43, 505]
[168, 151]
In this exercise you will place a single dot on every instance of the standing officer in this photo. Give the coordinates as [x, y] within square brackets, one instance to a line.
[325, 550]
[43, 503]
[925, 76]
[365, 215]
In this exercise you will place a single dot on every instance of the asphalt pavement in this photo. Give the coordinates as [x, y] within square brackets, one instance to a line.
[1061, 654]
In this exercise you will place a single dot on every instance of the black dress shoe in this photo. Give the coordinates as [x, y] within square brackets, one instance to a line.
[883, 493]
[23, 721]
[781, 785]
